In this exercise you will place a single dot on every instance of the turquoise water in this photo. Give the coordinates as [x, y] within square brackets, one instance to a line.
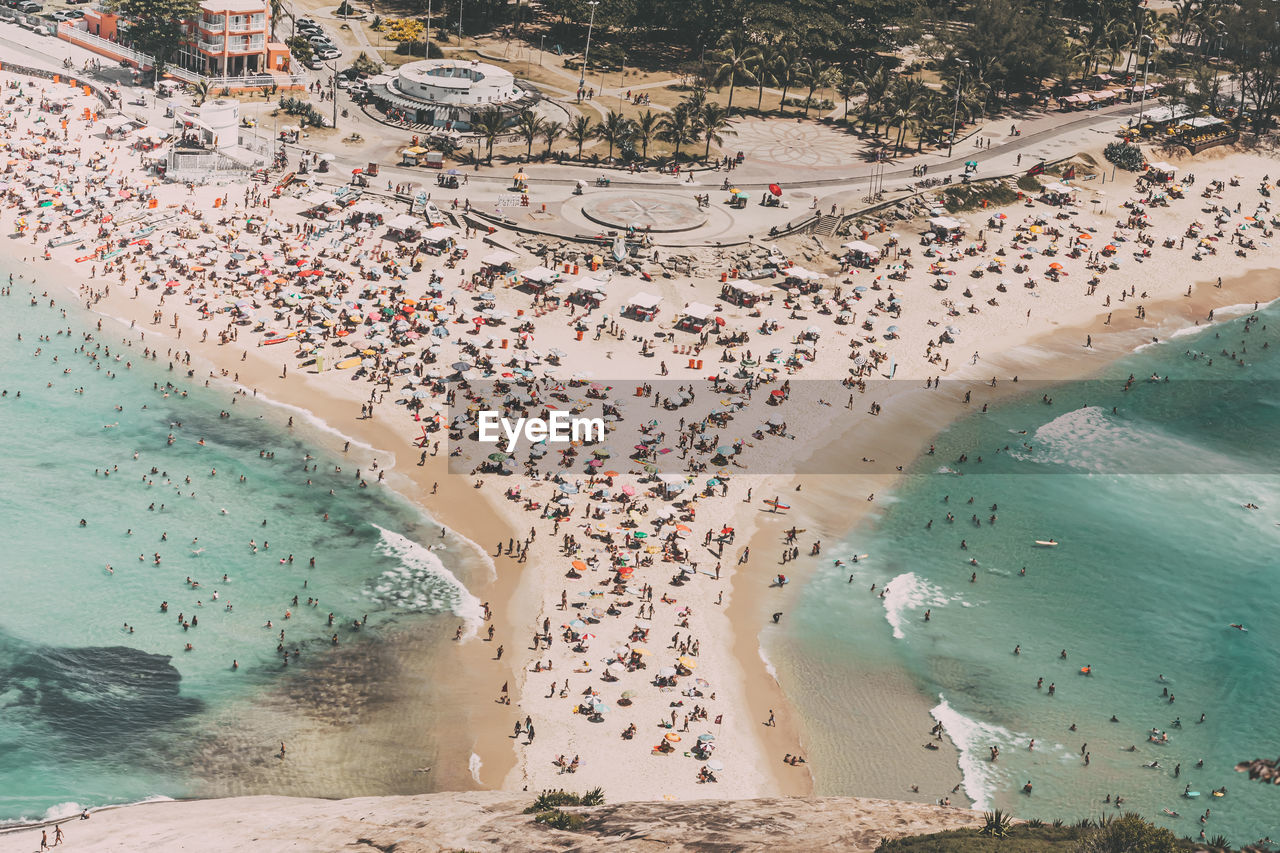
[96, 712]
[1156, 559]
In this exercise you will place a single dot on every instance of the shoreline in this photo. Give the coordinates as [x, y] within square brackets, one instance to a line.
[831, 508]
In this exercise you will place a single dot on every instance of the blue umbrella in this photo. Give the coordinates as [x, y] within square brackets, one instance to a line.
[440, 331]
[569, 488]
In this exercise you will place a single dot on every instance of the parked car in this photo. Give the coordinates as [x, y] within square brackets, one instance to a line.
[29, 7]
[329, 53]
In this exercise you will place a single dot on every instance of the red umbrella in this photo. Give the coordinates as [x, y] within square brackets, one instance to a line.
[775, 189]
[719, 321]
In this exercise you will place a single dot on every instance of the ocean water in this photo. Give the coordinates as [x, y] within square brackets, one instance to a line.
[100, 701]
[1157, 557]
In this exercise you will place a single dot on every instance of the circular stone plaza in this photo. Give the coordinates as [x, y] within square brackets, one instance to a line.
[448, 93]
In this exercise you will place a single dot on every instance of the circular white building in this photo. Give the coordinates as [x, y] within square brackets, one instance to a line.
[447, 93]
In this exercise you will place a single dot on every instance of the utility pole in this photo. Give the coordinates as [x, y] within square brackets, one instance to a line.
[582, 75]
[459, 23]
[333, 92]
[1146, 66]
[428, 56]
[955, 113]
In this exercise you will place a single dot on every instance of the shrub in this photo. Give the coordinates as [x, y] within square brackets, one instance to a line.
[1028, 184]
[557, 819]
[1130, 833]
[995, 824]
[594, 797]
[1124, 155]
[345, 8]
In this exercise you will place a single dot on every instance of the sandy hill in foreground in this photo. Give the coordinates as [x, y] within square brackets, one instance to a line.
[494, 821]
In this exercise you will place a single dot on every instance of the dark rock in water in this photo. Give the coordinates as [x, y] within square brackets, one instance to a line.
[96, 697]
[1261, 769]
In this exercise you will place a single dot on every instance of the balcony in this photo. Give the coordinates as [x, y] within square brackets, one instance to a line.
[210, 46]
[252, 46]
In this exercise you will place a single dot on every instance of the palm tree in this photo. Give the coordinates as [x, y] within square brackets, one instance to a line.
[715, 124]
[678, 127]
[848, 86]
[580, 132]
[615, 129]
[875, 85]
[202, 91]
[551, 131]
[786, 69]
[529, 126]
[903, 102]
[762, 68]
[645, 128]
[736, 57]
[489, 124]
[817, 73]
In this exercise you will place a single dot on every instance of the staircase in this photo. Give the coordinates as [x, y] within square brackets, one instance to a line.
[826, 225]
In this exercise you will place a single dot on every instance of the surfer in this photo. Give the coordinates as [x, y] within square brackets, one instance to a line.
[777, 616]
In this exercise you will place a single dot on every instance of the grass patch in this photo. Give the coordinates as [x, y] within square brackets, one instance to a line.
[1028, 184]
[962, 197]
[1039, 837]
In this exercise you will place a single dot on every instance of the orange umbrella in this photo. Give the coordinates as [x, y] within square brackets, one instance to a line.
[611, 473]
[1055, 266]
[1084, 236]
[579, 565]
[683, 527]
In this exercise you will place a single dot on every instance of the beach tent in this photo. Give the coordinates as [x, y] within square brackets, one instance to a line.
[538, 274]
[642, 305]
[858, 247]
[498, 258]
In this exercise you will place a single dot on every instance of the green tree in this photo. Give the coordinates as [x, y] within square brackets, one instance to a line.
[902, 110]
[551, 131]
[846, 87]
[677, 127]
[529, 126]
[735, 57]
[645, 128]
[489, 124]
[817, 74]
[762, 66]
[580, 131]
[1253, 45]
[787, 64]
[365, 65]
[154, 27]
[715, 124]
[300, 48]
[614, 130]
[875, 84]
[201, 91]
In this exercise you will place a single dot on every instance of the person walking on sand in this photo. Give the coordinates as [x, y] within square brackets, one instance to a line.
[44, 839]
[57, 835]
[771, 721]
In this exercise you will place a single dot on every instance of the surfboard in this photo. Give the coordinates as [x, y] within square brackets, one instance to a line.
[347, 363]
[1191, 794]
[777, 504]
[1046, 543]
[277, 340]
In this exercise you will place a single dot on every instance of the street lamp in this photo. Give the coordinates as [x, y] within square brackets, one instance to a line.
[428, 56]
[955, 113]
[459, 23]
[541, 40]
[1146, 66]
[582, 75]
[333, 93]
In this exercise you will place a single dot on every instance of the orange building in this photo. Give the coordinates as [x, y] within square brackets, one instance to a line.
[231, 38]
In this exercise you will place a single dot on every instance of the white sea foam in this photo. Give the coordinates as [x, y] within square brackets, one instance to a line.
[422, 583]
[313, 419]
[474, 765]
[906, 593]
[768, 664]
[980, 775]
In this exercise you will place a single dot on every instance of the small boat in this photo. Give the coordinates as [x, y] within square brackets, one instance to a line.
[1047, 543]
[619, 249]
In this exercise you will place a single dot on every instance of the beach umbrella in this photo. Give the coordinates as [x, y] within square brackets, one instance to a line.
[707, 738]
[667, 671]
[715, 764]
[688, 662]
[775, 189]
[568, 488]
[461, 366]
[577, 624]
[628, 694]
[672, 737]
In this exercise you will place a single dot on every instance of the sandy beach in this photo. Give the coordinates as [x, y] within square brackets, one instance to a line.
[718, 725]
